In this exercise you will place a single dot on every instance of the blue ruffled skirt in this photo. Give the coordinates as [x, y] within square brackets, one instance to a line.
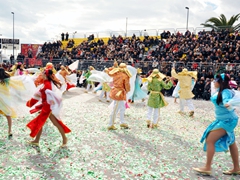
[139, 94]
[228, 124]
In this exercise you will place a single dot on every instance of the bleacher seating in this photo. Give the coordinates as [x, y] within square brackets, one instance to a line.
[105, 40]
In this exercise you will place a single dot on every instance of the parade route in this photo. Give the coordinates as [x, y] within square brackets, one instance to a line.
[93, 152]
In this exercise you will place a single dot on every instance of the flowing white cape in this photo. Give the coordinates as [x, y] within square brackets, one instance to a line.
[235, 101]
[100, 76]
[74, 65]
[82, 78]
[18, 96]
[213, 89]
[54, 98]
[133, 72]
[62, 80]
[29, 86]
[72, 79]
[32, 70]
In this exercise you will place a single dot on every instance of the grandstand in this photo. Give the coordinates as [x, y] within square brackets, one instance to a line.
[197, 50]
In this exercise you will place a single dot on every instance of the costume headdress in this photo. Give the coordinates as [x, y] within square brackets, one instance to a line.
[223, 75]
[122, 68]
[139, 71]
[91, 68]
[51, 66]
[185, 72]
[156, 73]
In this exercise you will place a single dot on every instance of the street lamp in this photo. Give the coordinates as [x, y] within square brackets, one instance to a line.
[187, 15]
[13, 36]
[126, 25]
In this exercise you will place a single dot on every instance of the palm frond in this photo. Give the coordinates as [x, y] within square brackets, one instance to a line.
[237, 27]
[214, 21]
[222, 23]
[233, 19]
[223, 19]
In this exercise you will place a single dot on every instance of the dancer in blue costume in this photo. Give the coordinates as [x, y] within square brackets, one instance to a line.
[219, 135]
[138, 94]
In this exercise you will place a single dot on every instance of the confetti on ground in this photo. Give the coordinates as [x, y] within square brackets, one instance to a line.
[93, 152]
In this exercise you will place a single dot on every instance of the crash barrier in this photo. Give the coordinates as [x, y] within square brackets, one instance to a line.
[164, 66]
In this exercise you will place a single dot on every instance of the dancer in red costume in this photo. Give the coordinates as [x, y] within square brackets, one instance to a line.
[46, 110]
[39, 80]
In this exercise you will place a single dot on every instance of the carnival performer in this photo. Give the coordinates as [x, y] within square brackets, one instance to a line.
[13, 69]
[185, 92]
[175, 93]
[138, 93]
[19, 69]
[71, 79]
[61, 75]
[219, 135]
[39, 79]
[156, 99]
[87, 75]
[104, 81]
[6, 98]
[105, 88]
[50, 108]
[98, 88]
[121, 87]
[6, 108]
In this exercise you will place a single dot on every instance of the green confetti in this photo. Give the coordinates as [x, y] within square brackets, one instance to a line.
[93, 152]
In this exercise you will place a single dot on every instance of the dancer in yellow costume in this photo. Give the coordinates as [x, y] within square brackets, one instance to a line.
[6, 100]
[185, 92]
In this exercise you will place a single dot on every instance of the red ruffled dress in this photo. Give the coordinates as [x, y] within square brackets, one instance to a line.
[45, 111]
[69, 86]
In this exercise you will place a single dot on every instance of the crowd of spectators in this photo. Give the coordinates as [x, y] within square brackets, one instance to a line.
[205, 52]
[203, 48]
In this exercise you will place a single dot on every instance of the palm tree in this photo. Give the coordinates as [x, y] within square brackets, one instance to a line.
[222, 23]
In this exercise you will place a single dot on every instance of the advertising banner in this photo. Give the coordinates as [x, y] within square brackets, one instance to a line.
[31, 50]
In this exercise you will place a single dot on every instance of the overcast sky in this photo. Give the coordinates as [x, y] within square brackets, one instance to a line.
[37, 21]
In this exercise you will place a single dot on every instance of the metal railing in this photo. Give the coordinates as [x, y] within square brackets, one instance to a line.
[164, 67]
[151, 32]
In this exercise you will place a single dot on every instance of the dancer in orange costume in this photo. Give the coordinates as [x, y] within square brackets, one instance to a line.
[45, 110]
[121, 87]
